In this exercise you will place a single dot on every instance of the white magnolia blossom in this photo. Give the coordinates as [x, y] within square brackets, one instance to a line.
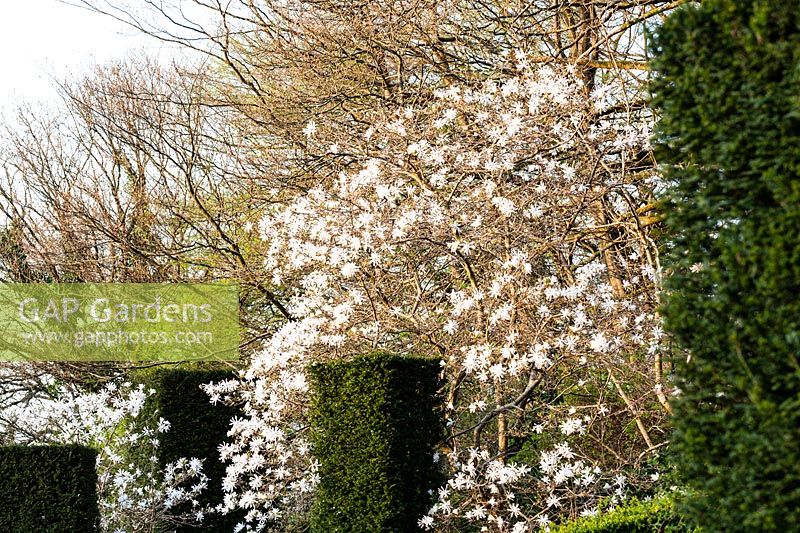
[135, 494]
[496, 228]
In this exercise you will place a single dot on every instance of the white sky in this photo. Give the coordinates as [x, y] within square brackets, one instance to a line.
[42, 39]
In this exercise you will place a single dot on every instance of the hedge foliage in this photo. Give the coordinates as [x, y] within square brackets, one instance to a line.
[48, 489]
[197, 429]
[376, 421]
[658, 515]
[728, 73]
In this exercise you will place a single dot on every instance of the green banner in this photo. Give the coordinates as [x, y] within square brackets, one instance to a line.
[119, 322]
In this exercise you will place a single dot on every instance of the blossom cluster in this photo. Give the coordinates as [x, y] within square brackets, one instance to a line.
[136, 492]
[495, 227]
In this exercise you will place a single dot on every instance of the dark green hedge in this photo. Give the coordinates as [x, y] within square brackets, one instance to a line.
[48, 489]
[197, 429]
[375, 421]
[654, 516]
[728, 89]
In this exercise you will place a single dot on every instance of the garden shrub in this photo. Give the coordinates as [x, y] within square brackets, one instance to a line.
[197, 428]
[376, 421]
[657, 515]
[727, 87]
[48, 489]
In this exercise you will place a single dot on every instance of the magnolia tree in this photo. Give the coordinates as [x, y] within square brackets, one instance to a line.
[500, 228]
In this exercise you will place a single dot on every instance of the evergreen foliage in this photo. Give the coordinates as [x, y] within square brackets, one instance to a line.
[376, 421]
[729, 136]
[636, 516]
[48, 489]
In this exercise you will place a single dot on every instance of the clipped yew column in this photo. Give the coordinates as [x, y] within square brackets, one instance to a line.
[376, 421]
